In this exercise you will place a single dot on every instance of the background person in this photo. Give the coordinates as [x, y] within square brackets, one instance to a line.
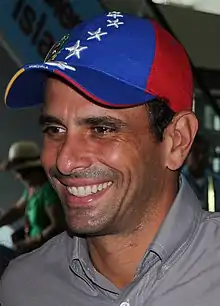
[39, 204]
[197, 170]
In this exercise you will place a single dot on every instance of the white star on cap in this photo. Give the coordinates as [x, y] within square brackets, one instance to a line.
[115, 14]
[114, 23]
[75, 50]
[61, 65]
[97, 34]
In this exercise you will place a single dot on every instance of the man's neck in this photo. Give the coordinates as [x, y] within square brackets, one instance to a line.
[118, 257]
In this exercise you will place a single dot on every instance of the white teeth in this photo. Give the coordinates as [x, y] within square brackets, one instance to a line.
[94, 188]
[81, 191]
[105, 185]
[100, 187]
[84, 191]
[74, 190]
[88, 190]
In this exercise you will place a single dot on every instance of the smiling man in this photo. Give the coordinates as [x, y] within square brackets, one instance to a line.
[117, 96]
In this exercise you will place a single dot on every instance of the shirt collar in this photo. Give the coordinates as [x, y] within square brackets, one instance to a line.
[180, 223]
[78, 250]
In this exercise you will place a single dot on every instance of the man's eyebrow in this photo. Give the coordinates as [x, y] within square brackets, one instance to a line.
[90, 121]
[102, 120]
[47, 119]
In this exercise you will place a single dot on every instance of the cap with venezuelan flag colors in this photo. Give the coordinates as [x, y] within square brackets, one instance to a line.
[117, 59]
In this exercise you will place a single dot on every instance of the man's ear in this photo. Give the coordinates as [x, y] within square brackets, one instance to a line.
[178, 138]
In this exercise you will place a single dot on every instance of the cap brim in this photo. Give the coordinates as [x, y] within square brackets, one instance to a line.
[26, 88]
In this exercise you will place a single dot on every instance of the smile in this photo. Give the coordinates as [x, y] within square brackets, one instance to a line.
[83, 191]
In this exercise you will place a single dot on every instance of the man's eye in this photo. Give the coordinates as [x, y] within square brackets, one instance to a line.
[53, 130]
[102, 130]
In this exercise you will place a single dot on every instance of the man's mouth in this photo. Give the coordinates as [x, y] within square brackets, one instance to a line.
[84, 191]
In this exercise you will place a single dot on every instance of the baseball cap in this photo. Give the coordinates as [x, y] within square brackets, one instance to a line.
[22, 155]
[116, 59]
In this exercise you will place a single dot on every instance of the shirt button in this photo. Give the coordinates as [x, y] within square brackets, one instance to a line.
[125, 304]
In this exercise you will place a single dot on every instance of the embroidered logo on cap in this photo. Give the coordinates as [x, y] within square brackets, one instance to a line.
[56, 48]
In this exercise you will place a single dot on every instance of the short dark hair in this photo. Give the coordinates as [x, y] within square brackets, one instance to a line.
[160, 115]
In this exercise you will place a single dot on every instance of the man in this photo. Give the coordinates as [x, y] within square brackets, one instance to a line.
[39, 204]
[117, 126]
[204, 182]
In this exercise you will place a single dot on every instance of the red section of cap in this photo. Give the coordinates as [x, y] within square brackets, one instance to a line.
[171, 74]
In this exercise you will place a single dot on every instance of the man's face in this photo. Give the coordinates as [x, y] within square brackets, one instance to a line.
[104, 163]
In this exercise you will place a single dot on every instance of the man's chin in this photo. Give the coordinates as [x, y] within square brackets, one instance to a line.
[84, 232]
[89, 229]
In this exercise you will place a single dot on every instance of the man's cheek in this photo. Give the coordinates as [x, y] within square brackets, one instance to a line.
[46, 159]
[48, 154]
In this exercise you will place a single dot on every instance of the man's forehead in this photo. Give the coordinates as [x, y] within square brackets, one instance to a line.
[52, 82]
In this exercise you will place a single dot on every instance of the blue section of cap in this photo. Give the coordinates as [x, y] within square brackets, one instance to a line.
[112, 56]
[31, 83]
[126, 52]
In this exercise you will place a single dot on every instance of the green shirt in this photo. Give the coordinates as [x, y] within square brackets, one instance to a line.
[35, 211]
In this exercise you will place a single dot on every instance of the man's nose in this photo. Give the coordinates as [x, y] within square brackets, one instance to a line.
[75, 153]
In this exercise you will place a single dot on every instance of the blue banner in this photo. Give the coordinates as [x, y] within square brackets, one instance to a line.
[30, 27]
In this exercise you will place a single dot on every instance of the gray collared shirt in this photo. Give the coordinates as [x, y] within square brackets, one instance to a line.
[181, 267]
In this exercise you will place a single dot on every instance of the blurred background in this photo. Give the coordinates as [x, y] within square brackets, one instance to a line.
[28, 28]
